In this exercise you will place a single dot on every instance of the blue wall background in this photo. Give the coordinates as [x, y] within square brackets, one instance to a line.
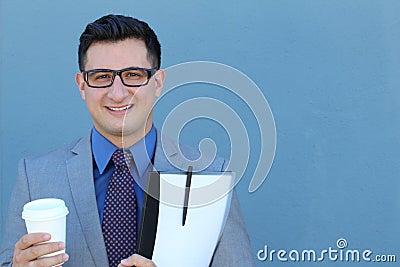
[329, 69]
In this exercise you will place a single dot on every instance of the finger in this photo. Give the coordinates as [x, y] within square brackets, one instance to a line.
[137, 261]
[34, 252]
[57, 260]
[30, 239]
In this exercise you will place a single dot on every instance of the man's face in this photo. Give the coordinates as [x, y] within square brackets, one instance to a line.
[120, 110]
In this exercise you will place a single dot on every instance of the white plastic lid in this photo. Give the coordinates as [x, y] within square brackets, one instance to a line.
[44, 209]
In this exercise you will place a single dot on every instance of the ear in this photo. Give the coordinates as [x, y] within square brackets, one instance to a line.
[159, 78]
[80, 82]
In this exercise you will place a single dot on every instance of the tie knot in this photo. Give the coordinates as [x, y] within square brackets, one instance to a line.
[119, 158]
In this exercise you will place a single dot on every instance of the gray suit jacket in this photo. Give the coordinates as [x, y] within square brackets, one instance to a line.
[67, 173]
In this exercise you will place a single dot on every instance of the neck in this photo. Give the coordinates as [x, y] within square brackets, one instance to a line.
[128, 140]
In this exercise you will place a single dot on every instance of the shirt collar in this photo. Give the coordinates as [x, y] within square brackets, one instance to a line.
[142, 151]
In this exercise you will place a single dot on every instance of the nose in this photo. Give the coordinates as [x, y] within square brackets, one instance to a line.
[118, 92]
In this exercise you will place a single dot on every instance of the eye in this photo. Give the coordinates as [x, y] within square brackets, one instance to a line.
[102, 76]
[133, 74]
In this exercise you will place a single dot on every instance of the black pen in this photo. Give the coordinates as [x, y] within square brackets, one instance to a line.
[187, 190]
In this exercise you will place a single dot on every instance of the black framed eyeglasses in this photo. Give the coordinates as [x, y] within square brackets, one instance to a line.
[132, 77]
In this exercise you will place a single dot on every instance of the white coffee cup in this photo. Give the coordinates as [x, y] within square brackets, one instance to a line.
[47, 215]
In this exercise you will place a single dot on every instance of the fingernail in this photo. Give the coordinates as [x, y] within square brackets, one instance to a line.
[46, 236]
[61, 245]
[124, 261]
[65, 257]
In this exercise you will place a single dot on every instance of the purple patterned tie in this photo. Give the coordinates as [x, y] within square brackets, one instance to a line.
[119, 219]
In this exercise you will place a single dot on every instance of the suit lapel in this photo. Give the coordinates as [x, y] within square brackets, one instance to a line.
[165, 153]
[80, 175]
[168, 157]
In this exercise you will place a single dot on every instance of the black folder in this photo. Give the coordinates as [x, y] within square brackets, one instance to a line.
[149, 217]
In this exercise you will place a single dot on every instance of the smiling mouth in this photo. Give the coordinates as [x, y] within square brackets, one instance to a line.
[120, 108]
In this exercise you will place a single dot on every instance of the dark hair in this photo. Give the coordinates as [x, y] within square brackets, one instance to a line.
[112, 28]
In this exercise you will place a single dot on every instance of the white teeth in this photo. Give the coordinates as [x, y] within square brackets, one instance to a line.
[119, 109]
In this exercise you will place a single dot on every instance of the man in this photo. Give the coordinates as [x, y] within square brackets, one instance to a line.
[119, 79]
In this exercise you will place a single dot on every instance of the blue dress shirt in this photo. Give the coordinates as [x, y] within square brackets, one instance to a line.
[103, 167]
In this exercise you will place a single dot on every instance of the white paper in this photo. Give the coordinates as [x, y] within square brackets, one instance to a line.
[209, 202]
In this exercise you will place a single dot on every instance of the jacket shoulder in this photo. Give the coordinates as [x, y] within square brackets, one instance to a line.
[171, 155]
[59, 154]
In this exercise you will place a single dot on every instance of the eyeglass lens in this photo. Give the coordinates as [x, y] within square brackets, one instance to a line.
[134, 77]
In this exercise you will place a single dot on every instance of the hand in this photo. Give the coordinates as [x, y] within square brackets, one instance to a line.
[137, 261]
[27, 251]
